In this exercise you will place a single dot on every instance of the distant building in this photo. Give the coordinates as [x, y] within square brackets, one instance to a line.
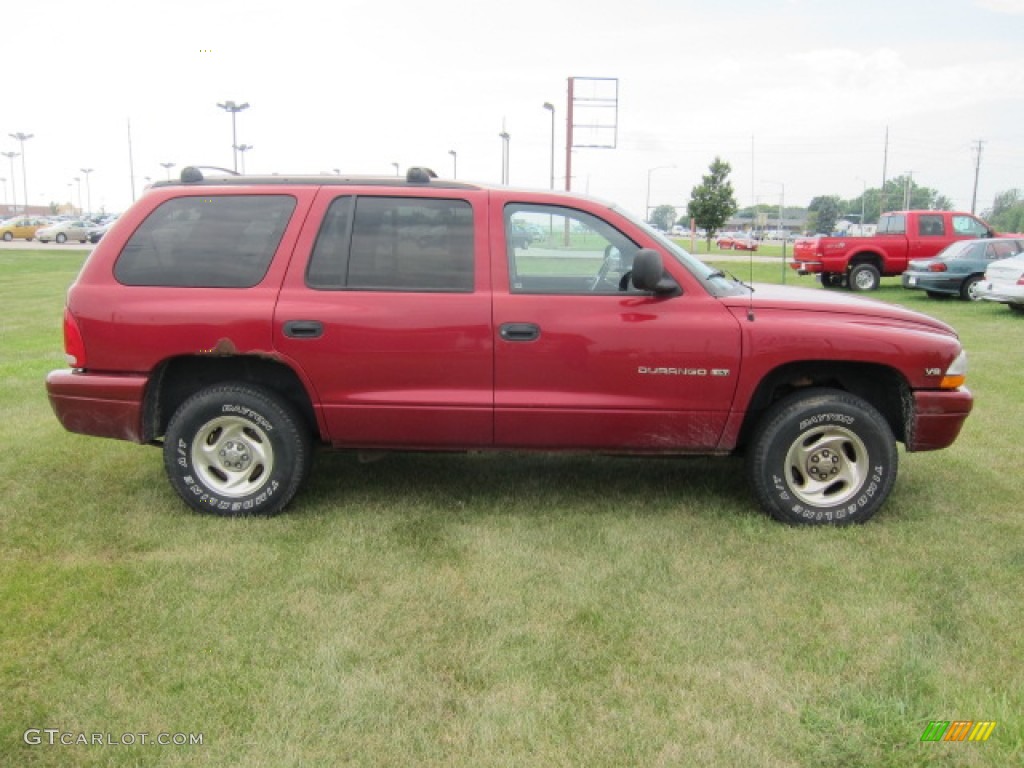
[10, 210]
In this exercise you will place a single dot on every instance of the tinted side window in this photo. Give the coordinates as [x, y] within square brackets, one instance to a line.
[219, 241]
[929, 225]
[1003, 249]
[896, 224]
[329, 262]
[410, 244]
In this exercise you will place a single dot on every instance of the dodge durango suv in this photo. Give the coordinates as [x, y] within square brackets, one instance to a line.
[238, 322]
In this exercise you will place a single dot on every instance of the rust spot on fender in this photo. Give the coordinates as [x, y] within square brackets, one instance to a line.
[223, 347]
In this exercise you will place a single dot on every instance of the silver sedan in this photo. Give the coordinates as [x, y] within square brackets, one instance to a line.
[63, 231]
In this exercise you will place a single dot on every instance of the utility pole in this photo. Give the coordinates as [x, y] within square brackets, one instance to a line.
[977, 172]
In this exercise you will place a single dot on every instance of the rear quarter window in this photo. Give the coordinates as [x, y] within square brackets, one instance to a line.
[218, 241]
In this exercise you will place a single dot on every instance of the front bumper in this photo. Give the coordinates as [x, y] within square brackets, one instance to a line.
[937, 417]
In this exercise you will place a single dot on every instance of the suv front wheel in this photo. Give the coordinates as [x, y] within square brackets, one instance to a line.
[237, 449]
[822, 457]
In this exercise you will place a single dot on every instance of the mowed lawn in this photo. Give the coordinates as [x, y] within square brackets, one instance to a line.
[502, 610]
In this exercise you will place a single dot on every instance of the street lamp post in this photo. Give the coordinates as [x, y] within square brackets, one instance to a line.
[88, 189]
[234, 109]
[455, 163]
[78, 181]
[14, 192]
[505, 137]
[782, 203]
[167, 167]
[551, 108]
[243, 148]
[647, 209]
[22, 138]
[396, 169]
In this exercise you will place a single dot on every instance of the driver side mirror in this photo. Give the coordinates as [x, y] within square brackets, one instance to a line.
[649, 274]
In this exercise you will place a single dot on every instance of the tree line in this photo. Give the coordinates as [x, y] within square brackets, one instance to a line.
[713, 203]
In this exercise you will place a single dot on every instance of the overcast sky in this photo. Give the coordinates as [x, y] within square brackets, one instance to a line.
[790, 92]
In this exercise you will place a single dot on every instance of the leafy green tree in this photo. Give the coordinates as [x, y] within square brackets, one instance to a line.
[1007, 212]
[712, 201]
[826, 212]
[663, 217]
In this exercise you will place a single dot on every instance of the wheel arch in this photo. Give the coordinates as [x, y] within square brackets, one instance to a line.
[883, 387]
[177, 379]
[874, 258]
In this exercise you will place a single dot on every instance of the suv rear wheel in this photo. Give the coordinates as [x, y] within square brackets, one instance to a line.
[236, 449]
[822, 457]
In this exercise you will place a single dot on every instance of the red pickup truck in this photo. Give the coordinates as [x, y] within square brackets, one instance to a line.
[859, 263]
[239, 321]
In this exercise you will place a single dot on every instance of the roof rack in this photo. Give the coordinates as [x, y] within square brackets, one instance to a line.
[193, 173]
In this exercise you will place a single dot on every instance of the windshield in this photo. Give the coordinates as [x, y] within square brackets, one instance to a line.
[716, 281]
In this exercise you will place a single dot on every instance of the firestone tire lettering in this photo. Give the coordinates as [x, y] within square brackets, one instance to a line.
[822, 457]
[237, 449]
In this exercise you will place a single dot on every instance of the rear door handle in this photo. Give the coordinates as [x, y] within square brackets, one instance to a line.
[520, 332]
[303, 329]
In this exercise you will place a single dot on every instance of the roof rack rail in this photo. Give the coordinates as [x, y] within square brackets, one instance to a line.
[194, 173]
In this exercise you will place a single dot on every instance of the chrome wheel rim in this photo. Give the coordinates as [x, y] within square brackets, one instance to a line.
[864, 280]
[826, 466]
[232, 456]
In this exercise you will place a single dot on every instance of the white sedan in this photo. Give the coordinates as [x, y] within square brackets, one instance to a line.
[1004, 282]
[63, 231]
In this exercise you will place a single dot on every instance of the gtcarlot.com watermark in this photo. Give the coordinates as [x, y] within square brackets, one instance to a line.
[55, 737]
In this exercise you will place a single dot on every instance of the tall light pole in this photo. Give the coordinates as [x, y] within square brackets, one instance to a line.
[396, 169]
[551, 108]
[14, 192]
[505, 137]
[243, 148]
[22, 138]
[78, 180]
[88, 189]
[167, 167]
[234, 109]
[647, 214]
[455, 163]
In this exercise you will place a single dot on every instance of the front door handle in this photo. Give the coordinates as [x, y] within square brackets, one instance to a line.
[303, 329]
[520, 332]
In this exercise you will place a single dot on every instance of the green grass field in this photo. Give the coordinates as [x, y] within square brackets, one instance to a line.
[502, 610]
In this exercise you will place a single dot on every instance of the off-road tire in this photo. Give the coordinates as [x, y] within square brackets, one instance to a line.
[822, 457]
[237, 449]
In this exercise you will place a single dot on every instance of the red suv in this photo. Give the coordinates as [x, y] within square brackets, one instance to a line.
[239, 321]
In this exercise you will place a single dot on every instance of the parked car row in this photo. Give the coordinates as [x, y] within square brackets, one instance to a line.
[985, 269]
[59, 231]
